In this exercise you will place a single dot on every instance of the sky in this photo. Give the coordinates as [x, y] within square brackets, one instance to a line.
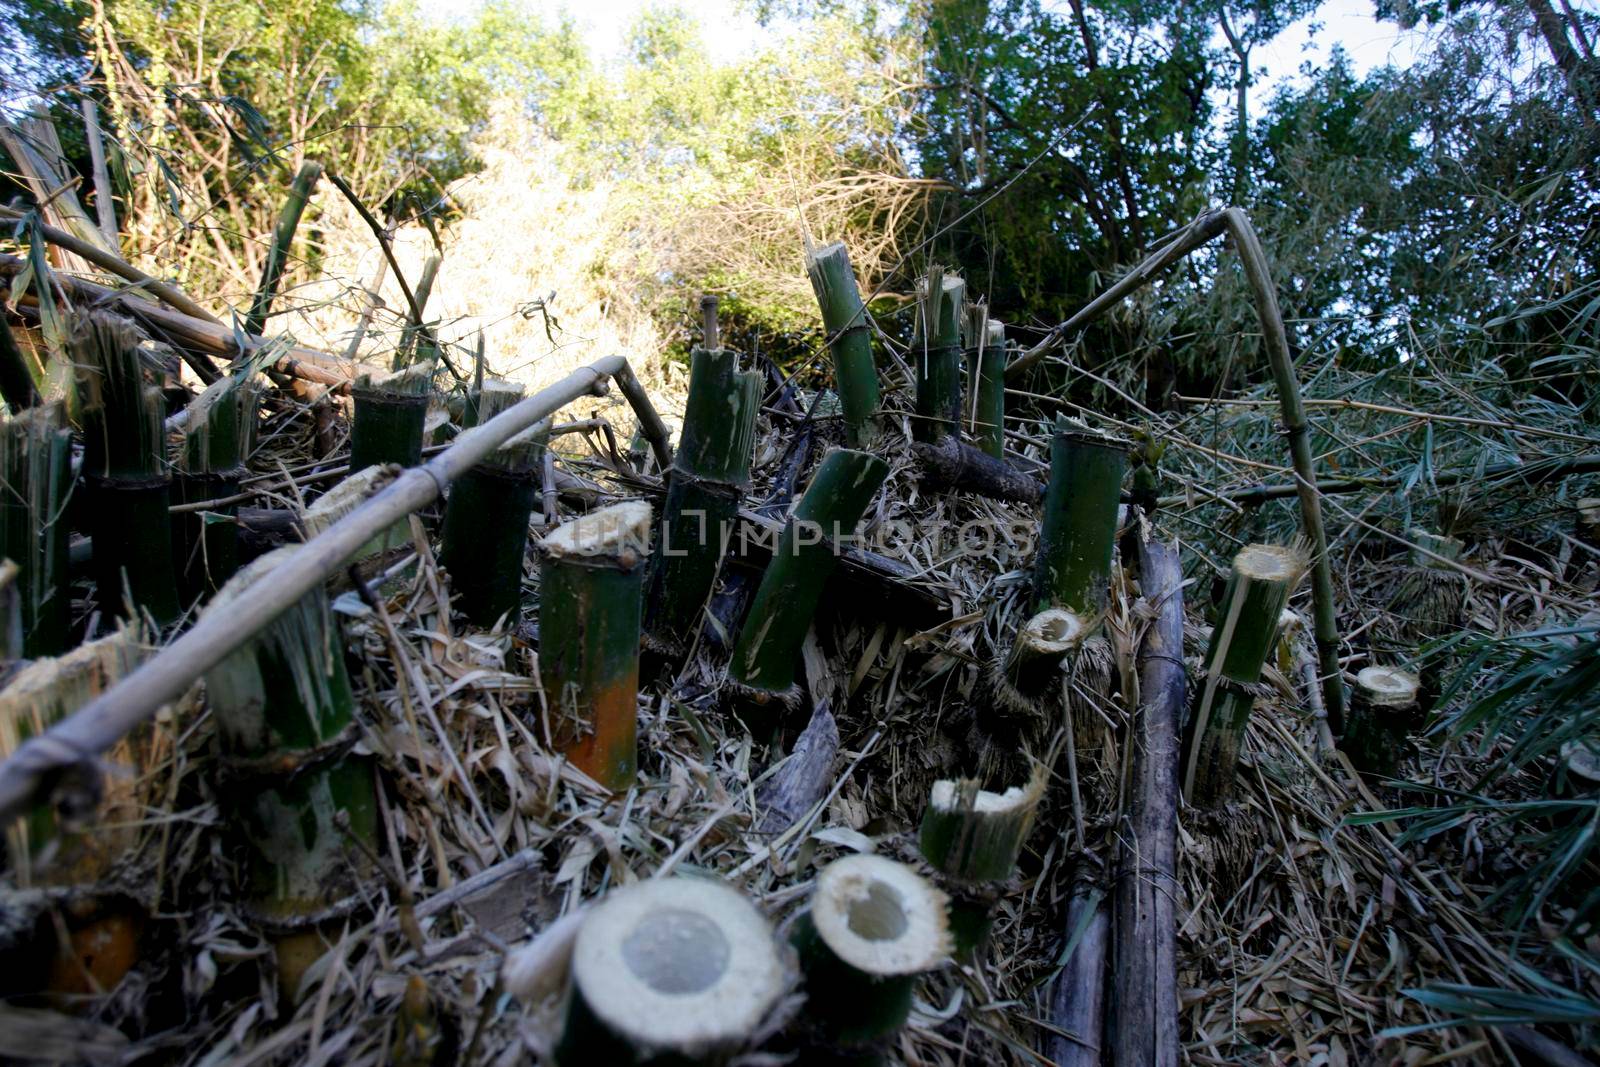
[731, 34]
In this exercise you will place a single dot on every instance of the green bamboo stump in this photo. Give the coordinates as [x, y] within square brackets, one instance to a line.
[36, 462]
[220, 434]
[850, 340]
[1384, 708]
[938, 353]
[987, 372]
[590, 592]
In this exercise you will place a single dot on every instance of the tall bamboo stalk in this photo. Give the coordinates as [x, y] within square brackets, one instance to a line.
[672, 970]
[849, 328]
[1263, 576]
[36, 463]
[989, 391]
[295, 793]
[391, 414]
[220, 435]
[591, 584]
[785, 603]
[282, 240]
[708, 476]
[874, 927]
[485, 538]
[124, 465]
[936, 348]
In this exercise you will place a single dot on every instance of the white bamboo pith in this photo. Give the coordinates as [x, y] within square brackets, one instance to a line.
[880, 917]
[682, 964]
[607, 532]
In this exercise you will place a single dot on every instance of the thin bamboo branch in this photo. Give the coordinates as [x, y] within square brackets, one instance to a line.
[1385, 409]
[101, 723]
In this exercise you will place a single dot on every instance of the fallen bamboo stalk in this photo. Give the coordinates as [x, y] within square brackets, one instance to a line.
[1144, 939]
[203, 333]
[1077, 1002]
[102, 722]
[167, 294]
[949, 463]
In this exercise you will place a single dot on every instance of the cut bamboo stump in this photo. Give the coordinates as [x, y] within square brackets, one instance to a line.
[707, 479]
[296, 794]
[938, 353]
[674, 970]
[988, 375]
[590, 592]
[1078, 526]
[1144, 943]
[36, 463]
[220, 434]
[972, 838]
[1258, 587]
[391, 414]
[1383, 710]
[762, 674]
[850, 340]
[124, 464]
[874, 926]
[484, 541]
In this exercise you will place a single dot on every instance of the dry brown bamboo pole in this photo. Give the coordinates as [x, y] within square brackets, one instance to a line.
[102, 722]
[1077, 1001]
[167, 294]
[200, 334]
[1144, 940]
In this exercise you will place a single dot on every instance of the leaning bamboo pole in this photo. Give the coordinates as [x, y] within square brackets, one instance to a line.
[761, 674]
[849, 328]
[1208, 226]
[671, 970]
[305, 181]
[103, 721]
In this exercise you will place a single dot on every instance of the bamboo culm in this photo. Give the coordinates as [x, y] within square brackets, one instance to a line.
[282, 240]
[938, 353]
[706, 483]
[988, 375]
[850, 333]
[391, 414]
[1258, 588]
[591, 588]
[786, 601]
[220, 436]
[1078, 528]
[36, 462]
[124, 465]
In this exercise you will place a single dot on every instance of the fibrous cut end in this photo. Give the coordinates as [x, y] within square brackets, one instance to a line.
[1386, 687]
[681, 964]
[1271, 563]
[880, 917]
[614, 531]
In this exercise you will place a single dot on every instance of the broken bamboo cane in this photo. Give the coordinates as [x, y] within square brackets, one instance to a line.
[391, 413]
[591, 586]
[282, 239]
[672, 970]
[36, 463]
[850, 340]
[761, 673]
[220, 436]
[289, 779]
[1259, 586]
[124, 464]
[707, 479]
[874, 927]
[104, 720]
[1144, 968]
[937, 349]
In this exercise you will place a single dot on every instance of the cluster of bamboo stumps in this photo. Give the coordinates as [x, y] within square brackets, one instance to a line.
[673, 969]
